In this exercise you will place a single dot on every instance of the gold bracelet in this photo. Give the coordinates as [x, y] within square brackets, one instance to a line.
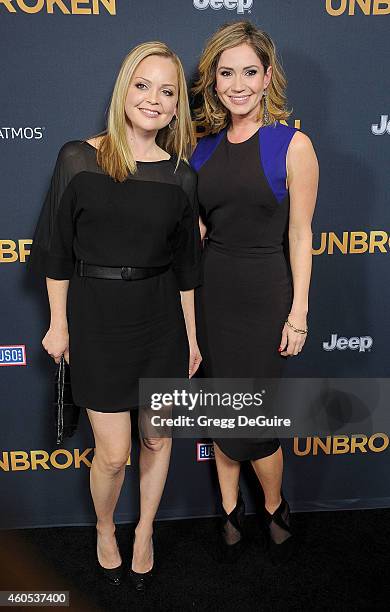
[299, 331]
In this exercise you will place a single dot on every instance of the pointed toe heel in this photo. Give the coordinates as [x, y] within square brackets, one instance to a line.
[112, 576]
[141, 580]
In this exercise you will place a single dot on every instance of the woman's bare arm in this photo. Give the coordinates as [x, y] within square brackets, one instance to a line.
[302, 173]
[187, 303]
[56, 340]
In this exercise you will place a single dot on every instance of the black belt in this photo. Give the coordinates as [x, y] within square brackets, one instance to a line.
[122, 273]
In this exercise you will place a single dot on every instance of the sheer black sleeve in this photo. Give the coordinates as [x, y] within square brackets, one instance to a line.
[187, 252]
[52, 249]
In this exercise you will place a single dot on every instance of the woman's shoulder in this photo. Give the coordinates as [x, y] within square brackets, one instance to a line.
[205, 148]
[207, 139]
[300, 141]
[76, 156]
[279, 138]
[184, 170]
[72, 148]
[283, 127]
[279, 132]
[186, 176]
[301, 151]
[289, 133]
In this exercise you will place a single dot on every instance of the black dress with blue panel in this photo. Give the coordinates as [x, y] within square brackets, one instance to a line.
[247, 288]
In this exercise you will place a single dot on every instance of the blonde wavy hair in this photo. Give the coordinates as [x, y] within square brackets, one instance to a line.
[114, 154]
[212, 114]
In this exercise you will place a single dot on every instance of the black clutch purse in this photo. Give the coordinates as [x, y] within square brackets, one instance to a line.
[65, 412]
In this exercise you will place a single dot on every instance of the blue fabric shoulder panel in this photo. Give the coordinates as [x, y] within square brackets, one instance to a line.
[274, 141]
[204, 149]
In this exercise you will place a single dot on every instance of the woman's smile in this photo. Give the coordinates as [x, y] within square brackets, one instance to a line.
[148, 112]
[239, 99]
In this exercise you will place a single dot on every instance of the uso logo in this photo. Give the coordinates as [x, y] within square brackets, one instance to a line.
[204, 451]
[13, 355]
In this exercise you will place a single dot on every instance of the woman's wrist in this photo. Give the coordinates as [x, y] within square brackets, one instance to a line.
[298, 312]
[59, 325]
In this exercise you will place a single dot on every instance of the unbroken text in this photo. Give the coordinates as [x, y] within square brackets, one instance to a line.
[67, 7]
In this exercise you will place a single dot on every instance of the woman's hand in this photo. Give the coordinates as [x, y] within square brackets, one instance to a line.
[292, 342]
[56, 343]
[202, 229]
[195, 358]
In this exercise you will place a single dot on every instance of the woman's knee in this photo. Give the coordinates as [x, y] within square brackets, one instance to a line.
[157, 444]
[112, 462]
[112, 433]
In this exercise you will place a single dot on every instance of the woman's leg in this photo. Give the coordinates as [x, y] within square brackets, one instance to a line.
[154, 463]
[112, 432]
[269, 471]
[233, 507]
[228, 476]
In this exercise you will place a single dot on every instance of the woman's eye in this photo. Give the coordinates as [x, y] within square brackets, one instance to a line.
[168, 92]
[140, 85]
[251, 72]
[226, 73]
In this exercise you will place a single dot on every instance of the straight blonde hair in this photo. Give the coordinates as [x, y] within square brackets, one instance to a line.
[212, 114]
[114, 154]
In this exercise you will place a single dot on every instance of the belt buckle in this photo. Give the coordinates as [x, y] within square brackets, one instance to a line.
[126, 273]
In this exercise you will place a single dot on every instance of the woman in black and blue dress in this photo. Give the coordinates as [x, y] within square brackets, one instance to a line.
[118, 242]
[257, 186]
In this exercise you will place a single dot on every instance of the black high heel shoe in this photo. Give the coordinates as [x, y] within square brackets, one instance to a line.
[280, 538]
[112, 575]
[139, 580]
[232, 535]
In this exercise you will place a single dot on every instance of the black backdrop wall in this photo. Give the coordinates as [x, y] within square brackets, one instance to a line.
[59, 61]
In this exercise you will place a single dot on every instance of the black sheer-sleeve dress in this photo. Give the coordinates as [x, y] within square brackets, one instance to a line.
[120, 330]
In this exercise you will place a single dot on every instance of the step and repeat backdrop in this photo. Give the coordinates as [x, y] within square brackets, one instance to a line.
[59, 60]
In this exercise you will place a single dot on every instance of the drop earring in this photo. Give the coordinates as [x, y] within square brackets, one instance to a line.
[266, 117]
[169, 124]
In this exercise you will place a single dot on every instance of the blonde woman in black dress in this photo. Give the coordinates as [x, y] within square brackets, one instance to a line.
[257, 182]
[118, 242]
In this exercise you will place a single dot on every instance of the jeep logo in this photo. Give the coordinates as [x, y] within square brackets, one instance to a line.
[239, 5]
[363, 344]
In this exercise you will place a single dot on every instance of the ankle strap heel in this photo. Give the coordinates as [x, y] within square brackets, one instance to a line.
[232, 533]
[280, 537]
